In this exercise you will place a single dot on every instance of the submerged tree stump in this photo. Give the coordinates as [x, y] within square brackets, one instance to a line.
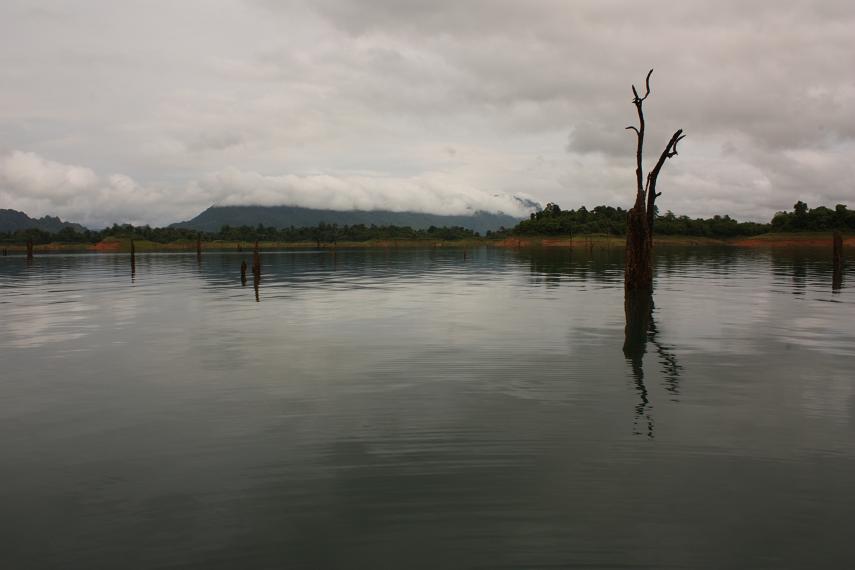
[638, 263]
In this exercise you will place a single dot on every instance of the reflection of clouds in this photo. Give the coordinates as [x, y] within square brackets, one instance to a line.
[814, 333]
[832, 398]
[69, 297]
[396, 401]
[32, 326]
[737, 305]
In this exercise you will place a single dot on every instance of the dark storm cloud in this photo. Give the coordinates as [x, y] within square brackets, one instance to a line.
[359, 102]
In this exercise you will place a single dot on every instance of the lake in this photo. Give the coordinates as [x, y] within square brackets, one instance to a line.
[415, 409]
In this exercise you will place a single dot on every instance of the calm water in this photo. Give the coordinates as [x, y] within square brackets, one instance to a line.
[409, 409]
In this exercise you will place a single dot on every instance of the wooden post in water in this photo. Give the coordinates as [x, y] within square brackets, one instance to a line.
[198, 247]
[133, 259]
[4, 252]
[837, 270]
[256, 270]
[29, 250]
[243, 272]
[256, 261]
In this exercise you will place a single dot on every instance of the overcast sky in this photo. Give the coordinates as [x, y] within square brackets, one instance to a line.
[150, 111]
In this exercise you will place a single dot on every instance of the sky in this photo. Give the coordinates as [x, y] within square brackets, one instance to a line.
[151, 111]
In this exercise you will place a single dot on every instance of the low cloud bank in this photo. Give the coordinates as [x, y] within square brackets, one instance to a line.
[428, 193]
[39, 186]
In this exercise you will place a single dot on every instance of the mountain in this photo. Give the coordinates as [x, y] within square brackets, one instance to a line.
[13, 220]
[215, 217]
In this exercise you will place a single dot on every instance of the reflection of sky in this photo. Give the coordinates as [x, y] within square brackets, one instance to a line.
[402, 397]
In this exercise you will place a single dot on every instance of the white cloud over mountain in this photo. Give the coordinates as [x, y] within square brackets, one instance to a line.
[36, 185]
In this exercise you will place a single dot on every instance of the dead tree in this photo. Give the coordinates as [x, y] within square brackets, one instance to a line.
[638, 264]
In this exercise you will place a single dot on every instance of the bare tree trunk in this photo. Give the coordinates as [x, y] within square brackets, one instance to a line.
[638, 265]
[638, 262]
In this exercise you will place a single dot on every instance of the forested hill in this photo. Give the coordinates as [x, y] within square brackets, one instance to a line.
[13, 220]
[280, 217]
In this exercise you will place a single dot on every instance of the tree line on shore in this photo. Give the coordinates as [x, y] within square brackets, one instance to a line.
[552, 220]
[322, 233]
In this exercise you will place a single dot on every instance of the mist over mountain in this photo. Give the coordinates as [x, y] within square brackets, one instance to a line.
[13, 220]
[215, 217]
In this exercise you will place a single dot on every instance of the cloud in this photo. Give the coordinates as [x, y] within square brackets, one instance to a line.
[429, 193]
[532, 96]
[39, 186]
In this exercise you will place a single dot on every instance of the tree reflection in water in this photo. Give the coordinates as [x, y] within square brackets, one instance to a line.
[641, 329]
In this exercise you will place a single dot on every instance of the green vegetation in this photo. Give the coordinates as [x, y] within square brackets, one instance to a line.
[552, 220]
[320, 234]
[803, 219]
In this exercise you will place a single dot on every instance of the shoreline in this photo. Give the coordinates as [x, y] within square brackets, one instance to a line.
[776, 240]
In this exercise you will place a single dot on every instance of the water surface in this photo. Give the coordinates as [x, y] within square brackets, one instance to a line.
[415, 409]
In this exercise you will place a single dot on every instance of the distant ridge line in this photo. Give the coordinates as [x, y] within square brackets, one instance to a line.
[215, 217]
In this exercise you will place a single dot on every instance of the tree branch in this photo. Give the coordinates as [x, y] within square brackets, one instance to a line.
[670, 151]
[636, 99]
[639, 131]
[647, 85]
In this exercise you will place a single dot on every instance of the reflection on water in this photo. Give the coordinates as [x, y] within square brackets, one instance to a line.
[256, 283]
[412, 409]
[638, 306]
[837, 277]
[640, 329]
[133, 261]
